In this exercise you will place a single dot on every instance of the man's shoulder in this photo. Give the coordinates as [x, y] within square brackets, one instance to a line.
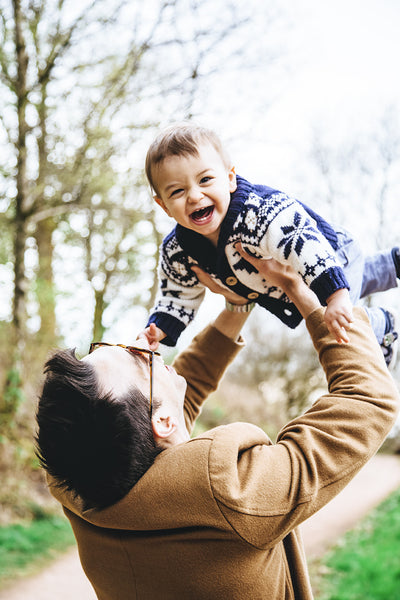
[234, 452]
[227, 441]
[232, 431]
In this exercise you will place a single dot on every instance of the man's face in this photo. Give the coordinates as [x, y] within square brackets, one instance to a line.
[118, 370]
[195, 190]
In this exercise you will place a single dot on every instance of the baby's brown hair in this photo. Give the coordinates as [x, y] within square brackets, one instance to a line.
[182, 139]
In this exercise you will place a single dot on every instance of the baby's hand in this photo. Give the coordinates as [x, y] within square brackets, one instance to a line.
[339, 315]
[153, 334]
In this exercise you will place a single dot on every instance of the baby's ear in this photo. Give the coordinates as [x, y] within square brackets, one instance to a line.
[162, 204]
[232, 180]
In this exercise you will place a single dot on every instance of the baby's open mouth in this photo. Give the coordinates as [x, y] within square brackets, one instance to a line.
[204, 214]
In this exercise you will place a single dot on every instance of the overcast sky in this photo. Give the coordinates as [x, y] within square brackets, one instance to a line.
[343, 63]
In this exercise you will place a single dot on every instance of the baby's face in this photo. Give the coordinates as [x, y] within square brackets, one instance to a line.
[195, 190]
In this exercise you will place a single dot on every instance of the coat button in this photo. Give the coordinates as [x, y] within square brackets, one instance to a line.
[252, 295]
[231, 281]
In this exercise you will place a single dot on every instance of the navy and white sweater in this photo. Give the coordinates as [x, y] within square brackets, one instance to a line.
[268, 223]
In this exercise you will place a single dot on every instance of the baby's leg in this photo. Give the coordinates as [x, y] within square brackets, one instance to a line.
[379, 273]
[376, 273]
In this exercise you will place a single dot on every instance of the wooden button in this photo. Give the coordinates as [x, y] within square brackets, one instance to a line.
[231, 281]
[252, 295]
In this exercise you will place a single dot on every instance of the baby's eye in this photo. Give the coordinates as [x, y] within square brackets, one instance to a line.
[176, 192]
[205, 179]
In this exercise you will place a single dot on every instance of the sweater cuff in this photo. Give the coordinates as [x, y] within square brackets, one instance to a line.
[171, 326]
[328, 282]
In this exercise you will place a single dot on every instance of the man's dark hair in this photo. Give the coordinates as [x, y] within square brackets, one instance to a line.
[93, 444]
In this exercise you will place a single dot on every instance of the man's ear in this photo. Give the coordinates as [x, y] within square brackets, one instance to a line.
[163, 426]
[161, 203]
[232, 180]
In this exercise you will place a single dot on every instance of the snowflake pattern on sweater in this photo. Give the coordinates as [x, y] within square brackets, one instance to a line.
[268, 223]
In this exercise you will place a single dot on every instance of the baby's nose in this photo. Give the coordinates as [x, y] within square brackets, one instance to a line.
[195, 194]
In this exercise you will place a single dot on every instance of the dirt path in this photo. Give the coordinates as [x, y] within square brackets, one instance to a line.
[65, 580]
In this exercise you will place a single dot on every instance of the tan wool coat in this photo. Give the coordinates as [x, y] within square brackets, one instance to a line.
[216, 518]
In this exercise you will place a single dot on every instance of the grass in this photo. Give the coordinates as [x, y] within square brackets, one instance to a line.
[365, 565]
[24, 548]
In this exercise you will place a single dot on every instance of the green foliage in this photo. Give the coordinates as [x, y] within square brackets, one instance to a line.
[12, 397]
[212, 415]
[366, 566]
[26, 547]
[6, 238]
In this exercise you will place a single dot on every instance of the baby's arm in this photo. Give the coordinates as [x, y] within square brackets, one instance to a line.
[293, 238]
[339, 315]
[179, 293]
[153, 334]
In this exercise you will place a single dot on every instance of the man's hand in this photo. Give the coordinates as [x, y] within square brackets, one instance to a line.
[339, 315]
[228, 323]
[153, 334]
[216, 287]
[286, 278]
[275, 273]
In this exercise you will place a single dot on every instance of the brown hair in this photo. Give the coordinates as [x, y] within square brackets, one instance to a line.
[182, 139]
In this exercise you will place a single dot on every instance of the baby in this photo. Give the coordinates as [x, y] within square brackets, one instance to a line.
[195, 183]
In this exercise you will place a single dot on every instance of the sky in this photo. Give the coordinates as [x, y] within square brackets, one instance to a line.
[343, 62]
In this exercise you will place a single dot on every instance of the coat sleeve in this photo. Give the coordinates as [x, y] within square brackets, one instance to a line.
[203, 364]
[265, 490]
[279, 227]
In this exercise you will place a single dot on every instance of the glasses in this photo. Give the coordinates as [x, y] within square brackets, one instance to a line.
[134, 350]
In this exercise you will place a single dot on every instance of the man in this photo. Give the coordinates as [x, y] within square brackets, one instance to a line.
[216, 516]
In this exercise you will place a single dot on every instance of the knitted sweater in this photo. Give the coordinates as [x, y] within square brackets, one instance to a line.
[268, 223]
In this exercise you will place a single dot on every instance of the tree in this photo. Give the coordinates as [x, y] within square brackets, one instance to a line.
[358, 180]
[82, 89]
[64, 104]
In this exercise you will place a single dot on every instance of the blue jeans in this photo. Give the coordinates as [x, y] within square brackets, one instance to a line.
[366, 275]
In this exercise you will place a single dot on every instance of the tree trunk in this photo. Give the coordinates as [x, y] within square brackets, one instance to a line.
[45, 293]
[99, 308]
[20, 285]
